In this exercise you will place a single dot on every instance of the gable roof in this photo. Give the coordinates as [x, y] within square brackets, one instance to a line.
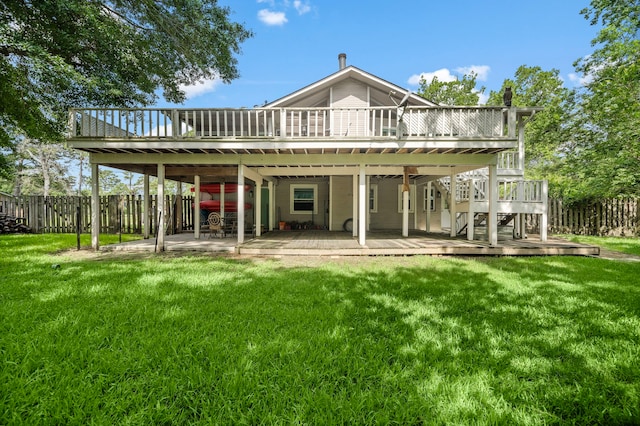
[381, 92]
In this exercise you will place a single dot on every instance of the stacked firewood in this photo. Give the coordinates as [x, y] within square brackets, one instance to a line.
[12, 225]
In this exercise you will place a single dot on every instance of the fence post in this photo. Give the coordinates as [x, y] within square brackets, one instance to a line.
[78, 225]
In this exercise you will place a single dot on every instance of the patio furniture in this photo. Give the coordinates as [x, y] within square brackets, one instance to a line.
[216, 225]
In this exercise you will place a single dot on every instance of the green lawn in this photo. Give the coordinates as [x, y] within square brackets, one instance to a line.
[629, 245]
[169, 339]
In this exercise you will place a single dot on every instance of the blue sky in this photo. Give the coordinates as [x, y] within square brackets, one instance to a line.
[298, 42]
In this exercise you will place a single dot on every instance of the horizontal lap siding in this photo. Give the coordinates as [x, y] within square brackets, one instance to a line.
[350, 94]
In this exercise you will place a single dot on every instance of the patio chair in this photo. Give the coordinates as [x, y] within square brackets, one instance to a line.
[232, 228]
[216, 225]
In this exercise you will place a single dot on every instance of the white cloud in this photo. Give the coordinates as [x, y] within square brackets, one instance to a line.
[445, 75]
[481, 71]
[301, 7]
[581, 80]
[482, 98]
[442, 74]
[272, 18]
[200, 88]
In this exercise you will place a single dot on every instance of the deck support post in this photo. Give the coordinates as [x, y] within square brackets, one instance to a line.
[178, 213]
[240, 203]
[95, 207]
[272, 206]
[545, 209]
[367, 195]
[161, 209]
[257, 208]
[356, 219]
[222, 192]
[146, 201]
[471, 220]
[453, 208]
[492, 222]
[405, 201]
[362, 207]
[428, 206]
[196, 207]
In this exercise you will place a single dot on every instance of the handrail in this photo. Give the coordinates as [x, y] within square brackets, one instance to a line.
[326, 122]
[526, 191]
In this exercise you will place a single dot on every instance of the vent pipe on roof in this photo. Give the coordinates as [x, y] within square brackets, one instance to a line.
[342, 61]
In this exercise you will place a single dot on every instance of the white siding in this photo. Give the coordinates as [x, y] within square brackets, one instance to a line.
[350, 94]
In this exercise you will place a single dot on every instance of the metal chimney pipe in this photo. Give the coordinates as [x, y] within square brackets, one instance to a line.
[342, 61]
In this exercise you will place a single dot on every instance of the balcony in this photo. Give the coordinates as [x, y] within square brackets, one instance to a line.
[294, 124]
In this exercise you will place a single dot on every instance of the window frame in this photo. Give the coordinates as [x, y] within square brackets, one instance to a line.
[292, 201]
[373, 198]
[412, 197]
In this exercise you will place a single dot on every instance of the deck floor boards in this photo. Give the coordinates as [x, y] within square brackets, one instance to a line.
[378, 243]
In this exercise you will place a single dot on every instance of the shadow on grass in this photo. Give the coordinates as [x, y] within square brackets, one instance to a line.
[412, 340]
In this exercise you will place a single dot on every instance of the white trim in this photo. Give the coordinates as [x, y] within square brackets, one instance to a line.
[429, 200]
[373, 197]
[293, 187]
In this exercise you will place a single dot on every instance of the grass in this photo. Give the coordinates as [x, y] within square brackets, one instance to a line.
[217, 340]
[629, 245]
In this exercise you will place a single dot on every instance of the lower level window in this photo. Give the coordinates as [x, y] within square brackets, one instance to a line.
[304, 198]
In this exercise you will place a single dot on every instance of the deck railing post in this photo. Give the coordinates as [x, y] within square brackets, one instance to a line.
[512, 122]
[175, 124]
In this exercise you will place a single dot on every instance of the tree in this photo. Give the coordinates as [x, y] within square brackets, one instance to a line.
[55, 54]
[606, 157]
[549, 133]
[456, 92]
[42, 169]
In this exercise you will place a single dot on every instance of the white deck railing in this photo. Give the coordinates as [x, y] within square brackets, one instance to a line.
[390, 122]
[526, 191]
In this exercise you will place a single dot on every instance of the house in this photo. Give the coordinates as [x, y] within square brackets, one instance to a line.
[351, 152]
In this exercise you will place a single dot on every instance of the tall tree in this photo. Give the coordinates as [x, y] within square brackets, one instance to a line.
[549, 133]
[456, 92]
[43, 169]
[606, 157]
[60, 53]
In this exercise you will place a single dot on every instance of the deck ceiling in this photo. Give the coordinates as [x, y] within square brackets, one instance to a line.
[218, 161]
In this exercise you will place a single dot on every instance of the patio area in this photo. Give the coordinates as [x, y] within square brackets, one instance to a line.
[379, 243]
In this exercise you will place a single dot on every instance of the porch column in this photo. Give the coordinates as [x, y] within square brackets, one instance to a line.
[240, 203]
[362, 204]
[405, 202]
[492, 223]
[471, 220]
[178, 212]
[258, 207]
[368, 194]
[95, 207]
[521, 146]
[222, 192]
[355, 206]
[453, 213]
[161, 208]
[428, 224]
[272, 206]
[544, 217]
[196, 207]
[146, 207]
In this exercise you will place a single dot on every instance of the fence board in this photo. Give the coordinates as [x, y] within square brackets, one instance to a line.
[118, 214]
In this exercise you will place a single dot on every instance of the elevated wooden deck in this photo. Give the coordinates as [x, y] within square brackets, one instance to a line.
[379, 243]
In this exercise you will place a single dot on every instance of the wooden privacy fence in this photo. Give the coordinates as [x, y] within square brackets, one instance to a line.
[124, 213]
[613, 217]
[118, 213]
